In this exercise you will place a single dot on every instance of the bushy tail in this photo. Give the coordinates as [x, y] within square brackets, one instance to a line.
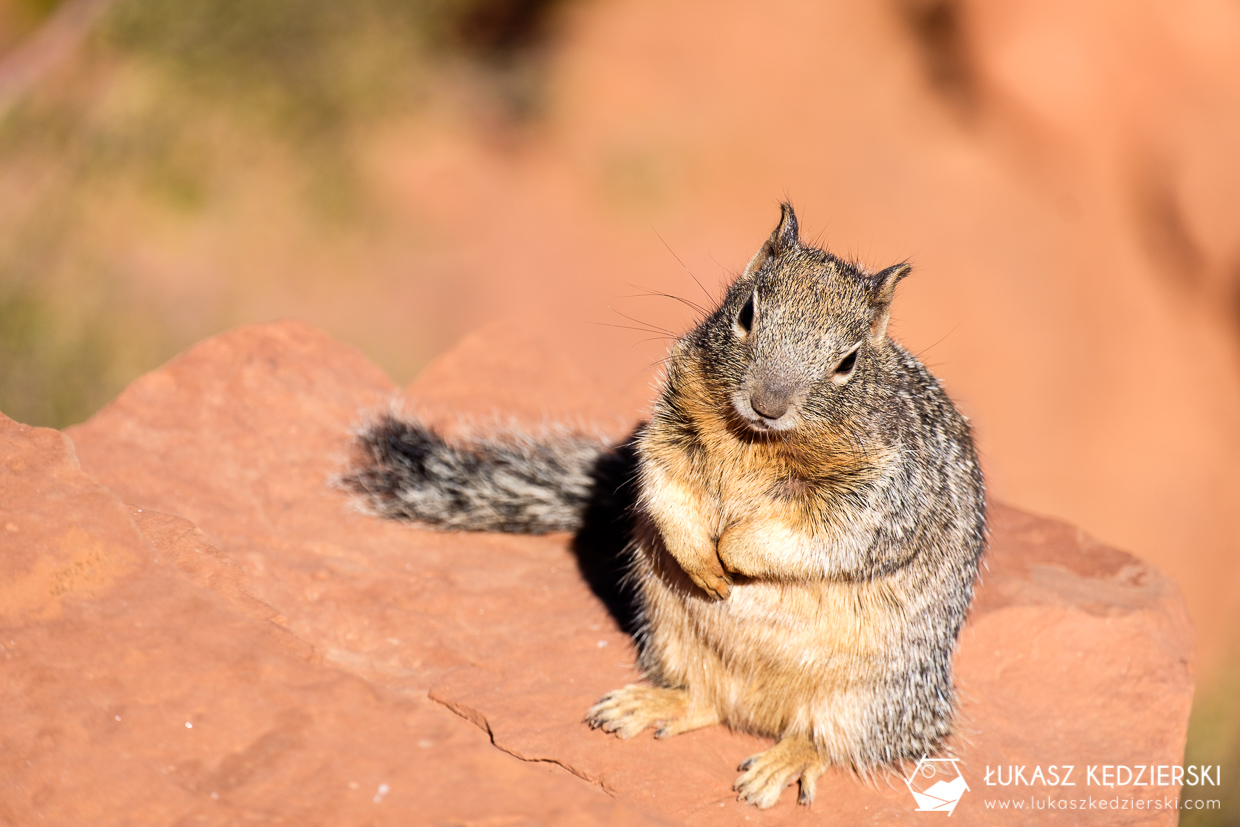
[514, 482]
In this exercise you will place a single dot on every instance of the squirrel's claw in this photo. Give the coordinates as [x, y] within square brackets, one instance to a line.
[717, 584]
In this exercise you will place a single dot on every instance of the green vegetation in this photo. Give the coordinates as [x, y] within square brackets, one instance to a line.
[170, 115]
[1214, 739]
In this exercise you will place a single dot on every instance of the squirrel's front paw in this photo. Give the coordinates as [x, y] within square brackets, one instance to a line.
[693, 551]
[712, 580]
[701, 564]
[628, 711]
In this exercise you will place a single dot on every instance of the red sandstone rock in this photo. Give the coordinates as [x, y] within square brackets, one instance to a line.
[143, 683]
[312, 647]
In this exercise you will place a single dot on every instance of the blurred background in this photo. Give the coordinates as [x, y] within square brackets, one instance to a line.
[1064, 175]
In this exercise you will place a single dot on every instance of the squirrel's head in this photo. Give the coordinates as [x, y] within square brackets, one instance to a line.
[798, 338]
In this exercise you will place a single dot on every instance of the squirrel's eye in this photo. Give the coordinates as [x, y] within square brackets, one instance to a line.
[744, 319]
[845, 368]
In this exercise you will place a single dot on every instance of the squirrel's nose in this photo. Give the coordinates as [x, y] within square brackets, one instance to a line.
[771, 400]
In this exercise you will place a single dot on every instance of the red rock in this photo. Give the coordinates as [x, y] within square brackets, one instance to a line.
[312, 646]
[143, 683]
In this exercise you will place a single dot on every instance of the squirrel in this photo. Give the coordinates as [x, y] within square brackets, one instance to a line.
[806, 527]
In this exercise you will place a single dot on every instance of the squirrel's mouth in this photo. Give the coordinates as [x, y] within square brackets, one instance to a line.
[749, 417]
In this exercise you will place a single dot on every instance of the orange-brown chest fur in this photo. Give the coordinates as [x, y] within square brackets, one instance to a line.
[796, 480]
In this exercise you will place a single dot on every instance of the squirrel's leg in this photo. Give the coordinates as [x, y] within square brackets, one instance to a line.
[628, 711]
[764, 776]
[683, 527]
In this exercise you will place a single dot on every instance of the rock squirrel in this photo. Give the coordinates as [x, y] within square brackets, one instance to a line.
[806, 528]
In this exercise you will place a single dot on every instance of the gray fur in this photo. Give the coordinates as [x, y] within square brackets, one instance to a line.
[521, 484]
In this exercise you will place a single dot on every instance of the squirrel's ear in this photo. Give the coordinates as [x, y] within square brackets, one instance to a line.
[787, 236]
[882, 288]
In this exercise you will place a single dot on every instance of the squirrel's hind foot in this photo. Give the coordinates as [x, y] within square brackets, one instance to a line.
[764, 776]
[626, 712]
